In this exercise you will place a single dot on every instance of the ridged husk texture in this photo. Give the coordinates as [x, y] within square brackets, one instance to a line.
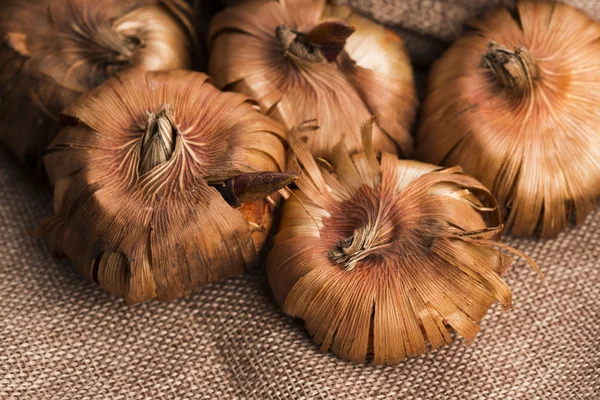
[371, 76]
[53, 50]
[146, 220]
[386, 257]
[515, 103]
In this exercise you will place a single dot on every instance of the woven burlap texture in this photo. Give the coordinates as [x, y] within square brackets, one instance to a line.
[62, 337]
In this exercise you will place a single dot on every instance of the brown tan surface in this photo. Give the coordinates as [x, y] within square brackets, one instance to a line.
[62, 337]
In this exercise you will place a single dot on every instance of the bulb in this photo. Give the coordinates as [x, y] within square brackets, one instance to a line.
[514, 103]
[384, 258]
[304, 61]
[53, 51]
[162, 184]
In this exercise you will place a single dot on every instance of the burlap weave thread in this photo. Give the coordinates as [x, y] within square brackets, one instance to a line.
[62, 337]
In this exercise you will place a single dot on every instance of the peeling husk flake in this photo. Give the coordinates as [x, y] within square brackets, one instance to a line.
[52, 51]
[384, 258]
[136, 176]
[302, 60]
[515, 103]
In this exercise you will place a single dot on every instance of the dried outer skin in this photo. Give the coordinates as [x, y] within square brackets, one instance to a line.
[51, 51]
[428, 28]
[384, 259]
[537, 149]
[164, 232]
[260, 213]
[372, 76]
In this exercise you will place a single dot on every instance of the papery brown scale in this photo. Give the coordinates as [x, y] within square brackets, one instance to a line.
[513, 102]
[302, 60]
[171, 228]
[391, 259]
[52, 51]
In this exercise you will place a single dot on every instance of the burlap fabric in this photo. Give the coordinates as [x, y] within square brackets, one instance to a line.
[62, 337]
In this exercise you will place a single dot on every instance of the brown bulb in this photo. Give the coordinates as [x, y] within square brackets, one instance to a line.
[54, 50]
[162, 183]
[304, 61]
[514, 102]
[385, 258]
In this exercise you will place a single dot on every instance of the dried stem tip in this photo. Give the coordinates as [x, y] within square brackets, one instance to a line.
[253, 186]
[365, 241]
[158, 142]
[512, 69]
[323, 43]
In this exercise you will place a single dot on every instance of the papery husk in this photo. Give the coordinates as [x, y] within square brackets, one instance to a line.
[384, 258]
[371, 76]
[427, 28]
[143, 229]
[52, 51]
[536, 145]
